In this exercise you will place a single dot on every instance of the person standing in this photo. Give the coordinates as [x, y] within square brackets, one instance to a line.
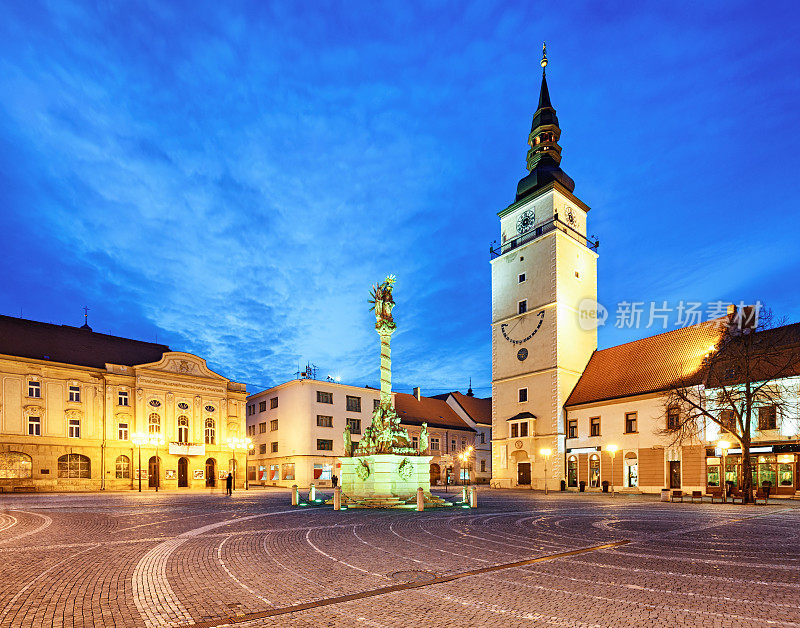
[334, 480]
[229, 483]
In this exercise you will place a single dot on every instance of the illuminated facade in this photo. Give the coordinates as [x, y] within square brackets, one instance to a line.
[72, 401]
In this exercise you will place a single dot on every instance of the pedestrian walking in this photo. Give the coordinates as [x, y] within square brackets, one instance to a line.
[229, 483]
[335, 480]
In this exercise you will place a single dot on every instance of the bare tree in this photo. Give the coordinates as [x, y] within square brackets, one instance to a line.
[740, 380]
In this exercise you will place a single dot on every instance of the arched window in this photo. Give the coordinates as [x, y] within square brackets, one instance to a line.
[183, 429]
[210, 431]
[15, 465]
[155, 423]
[572, 472]
[123, 467]
[74, 466]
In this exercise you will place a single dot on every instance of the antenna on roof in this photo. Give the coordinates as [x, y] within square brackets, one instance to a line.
[86, 318]
[469, 390]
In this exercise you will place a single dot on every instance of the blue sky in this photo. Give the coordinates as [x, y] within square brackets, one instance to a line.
[230, 178]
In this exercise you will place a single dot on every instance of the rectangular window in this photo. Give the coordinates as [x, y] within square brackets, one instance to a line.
[323, 471]
[630, 422]
[515, 430]
[452, 444]
[767, 418]
[262, 427]
[324, 444]
[74, 428]
[34, 426]
[415, 442]
[288, 471]
[122, 398]
[483, 438]
[324, 421]
[324, 397]
[376, 403]
[521, 278]
[483, 466]
[74, 393]
[355, 426]
[274, 472]
[572, 428]
[673, 418]
[273, 403]
[728, 420]
[34, 389]
[122, 431]
[273, 447]
[273, 425]
[262, 448]
[594, 426]
[262, 406]
[523, 395]
[353, 404]
[434, 444]
[522, 306]
[523, 429]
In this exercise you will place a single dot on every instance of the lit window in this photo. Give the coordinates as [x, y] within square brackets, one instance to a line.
[74, 428]
[34, 389]
[74, 393]
[324, 421]
[183, 429]
[123, 465]
[122, 431]
[354, 425]
[74, 466]
[15, 465]
[154, 423]
[122, 398]
[34, 426]
[211, 432]
[287, 470]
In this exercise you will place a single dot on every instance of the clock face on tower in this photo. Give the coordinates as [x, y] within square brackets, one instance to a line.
[525, 221]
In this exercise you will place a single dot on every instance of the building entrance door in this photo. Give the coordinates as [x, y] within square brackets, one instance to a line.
[183, 472]
[674, 473]
[211, 472]
[154, 472]
[523, 473]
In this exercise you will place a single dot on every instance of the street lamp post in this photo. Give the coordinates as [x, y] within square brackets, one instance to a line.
[546, 454]
[240, 443]
[464, 457]
[724, 445]
[612, 449]
[139, 439]
[155, 439]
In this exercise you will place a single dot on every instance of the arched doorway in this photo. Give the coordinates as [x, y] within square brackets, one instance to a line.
[631, 479]
[572, 472]
[154, 472]
[211, 472]
[435, 473]
[519, 458]
[183, 472]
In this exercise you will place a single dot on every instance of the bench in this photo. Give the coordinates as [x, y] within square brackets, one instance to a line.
[760, 494]
[697, 495]
[736, 494]
[676, 495]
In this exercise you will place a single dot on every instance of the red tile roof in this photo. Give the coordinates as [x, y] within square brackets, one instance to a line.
[479, 410]
[647, 365]
[24, 338]
[434, 412]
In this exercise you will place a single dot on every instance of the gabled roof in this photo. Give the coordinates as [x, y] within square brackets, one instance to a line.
[648, 365]
[24, 338]
[434, 412]
[479, 410]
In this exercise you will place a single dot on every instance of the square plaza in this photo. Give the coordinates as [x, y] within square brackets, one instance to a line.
[519, 559]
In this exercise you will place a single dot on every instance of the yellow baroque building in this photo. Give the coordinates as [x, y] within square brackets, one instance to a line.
[74, 402]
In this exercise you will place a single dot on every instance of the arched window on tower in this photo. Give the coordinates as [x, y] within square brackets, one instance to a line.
[211, 431]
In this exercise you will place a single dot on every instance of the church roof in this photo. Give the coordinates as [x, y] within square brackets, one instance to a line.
[648, 365]
[24, 338]
[434, 412]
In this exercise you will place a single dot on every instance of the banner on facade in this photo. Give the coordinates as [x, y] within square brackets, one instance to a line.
[187, 449]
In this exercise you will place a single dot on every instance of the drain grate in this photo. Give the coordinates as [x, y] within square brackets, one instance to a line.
[413, 575]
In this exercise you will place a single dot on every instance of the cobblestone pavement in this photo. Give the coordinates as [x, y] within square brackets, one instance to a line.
[520, 559]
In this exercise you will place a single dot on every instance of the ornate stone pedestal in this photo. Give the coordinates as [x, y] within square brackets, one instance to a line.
[386, 481]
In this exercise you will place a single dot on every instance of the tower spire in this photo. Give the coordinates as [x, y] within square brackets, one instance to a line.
[544, 156]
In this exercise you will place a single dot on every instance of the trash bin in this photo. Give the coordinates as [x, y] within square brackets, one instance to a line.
[582, 486]
[664, 494]
[563, 485]
[605, 486]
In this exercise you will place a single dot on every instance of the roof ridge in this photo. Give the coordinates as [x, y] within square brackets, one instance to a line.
[708, 323]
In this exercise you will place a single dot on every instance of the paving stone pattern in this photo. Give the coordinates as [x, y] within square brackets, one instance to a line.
[172, 559]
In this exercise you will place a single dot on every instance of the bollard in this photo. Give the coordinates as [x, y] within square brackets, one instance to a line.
[312, 493]
[337, 498]
[420, 500]
[473, 497]
[463, 494]
[294, 495]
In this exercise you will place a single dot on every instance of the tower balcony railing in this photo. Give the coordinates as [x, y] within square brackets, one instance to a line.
[551, 225]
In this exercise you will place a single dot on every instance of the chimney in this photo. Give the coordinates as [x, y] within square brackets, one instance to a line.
[417, 394]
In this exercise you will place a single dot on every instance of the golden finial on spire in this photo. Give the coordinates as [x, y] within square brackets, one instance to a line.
[543, 62]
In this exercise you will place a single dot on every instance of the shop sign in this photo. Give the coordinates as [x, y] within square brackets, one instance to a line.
[187, 449]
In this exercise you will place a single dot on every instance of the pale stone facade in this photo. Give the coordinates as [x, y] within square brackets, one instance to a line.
[69, 427]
